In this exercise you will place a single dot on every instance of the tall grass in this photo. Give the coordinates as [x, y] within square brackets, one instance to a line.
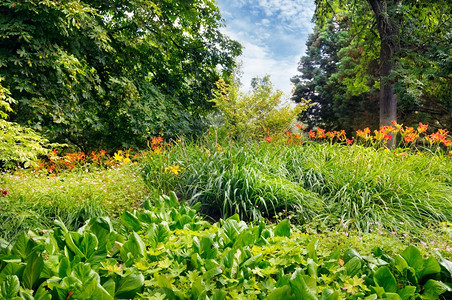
[34, 201]
[328, 184]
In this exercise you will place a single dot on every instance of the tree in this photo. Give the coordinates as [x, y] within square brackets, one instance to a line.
[256, 114]
[112, 73]
[337, 76]
[390, 18]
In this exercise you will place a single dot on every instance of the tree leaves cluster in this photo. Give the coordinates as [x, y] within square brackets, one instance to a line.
[112, 73]
[345, 68]
[256, 114]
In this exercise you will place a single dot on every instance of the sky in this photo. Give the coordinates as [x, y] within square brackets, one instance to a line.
[273, 34]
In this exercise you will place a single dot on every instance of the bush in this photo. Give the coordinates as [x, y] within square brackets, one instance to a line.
[257, 114]
[18, 145]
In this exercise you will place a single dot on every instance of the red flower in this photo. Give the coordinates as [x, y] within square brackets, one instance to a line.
[350, 142]
[311, 134]
[268, 138]
[4, 192]
[300, 126]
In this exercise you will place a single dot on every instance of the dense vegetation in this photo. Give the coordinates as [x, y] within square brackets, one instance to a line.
[110, 74]
[111, 186]
[347, 65]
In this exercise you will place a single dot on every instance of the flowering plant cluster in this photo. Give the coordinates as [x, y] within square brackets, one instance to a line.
[55, 162]
[410, 137]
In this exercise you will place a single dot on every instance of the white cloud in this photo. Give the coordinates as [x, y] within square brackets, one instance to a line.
[273, 33]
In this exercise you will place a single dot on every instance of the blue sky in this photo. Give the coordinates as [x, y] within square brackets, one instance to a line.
[273, 34]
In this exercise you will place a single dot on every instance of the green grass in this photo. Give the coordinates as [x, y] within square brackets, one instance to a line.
[329, 185]
[34, 200]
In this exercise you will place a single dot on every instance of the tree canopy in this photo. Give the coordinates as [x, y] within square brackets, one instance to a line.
[112, 73]
[409, 65]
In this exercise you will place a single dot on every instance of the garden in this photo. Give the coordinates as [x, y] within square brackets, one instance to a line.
[300, 215]
[134, 164]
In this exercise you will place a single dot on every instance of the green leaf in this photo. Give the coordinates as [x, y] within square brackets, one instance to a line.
[281, 293]
[353, 266]
[158, 233]
[400, 263]
[430, 267]
[384, 278]
[312, 249]
[10, 287]
[414, 258]
[32, 272]
[23, 246]
[350, 254]
[433, 288]
[303, 286]
[219, 295]
[134, 245]
[328, 294]
[446, 268]
[130, 285]
[130, 221]
[407, 292]
[89, 244]
[283, 228]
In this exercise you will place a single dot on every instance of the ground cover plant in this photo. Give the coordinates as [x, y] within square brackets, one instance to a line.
[167, 251]
[33, 200]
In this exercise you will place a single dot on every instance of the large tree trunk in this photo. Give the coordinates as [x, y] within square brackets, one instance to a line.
[389, 34]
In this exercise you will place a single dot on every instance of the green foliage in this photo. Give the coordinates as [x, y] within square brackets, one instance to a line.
[110, 74]
[34, 200]
[344, 60]
[256, 114]
[174, 254]
[330, 184]
[336, 75]
[18, 145]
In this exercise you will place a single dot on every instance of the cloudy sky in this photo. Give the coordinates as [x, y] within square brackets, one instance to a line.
[273, 34]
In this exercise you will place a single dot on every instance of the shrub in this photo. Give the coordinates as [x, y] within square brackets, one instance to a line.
[257, 114]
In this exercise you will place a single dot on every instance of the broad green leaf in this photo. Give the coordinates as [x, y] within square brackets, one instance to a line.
[10, 287]
[281, 293]
[433, 289]
[128, 286]
[350, 254]
[73, 240]
[283, 228]
[303, 286]
[12, 269]
[158, 233]
[23, 246]
[353, 266]
[407, 292]
[400, 263]
[42, 293]
[446, 268]
[219, 295]
[414, 258]
[89, 244]
[130, 221]
[32, 271]
[385, 279]
[134, 245]
[312, 249]
[431, 266]
[312, 268]
[328, 294]
[64, 267]
[392, 296]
